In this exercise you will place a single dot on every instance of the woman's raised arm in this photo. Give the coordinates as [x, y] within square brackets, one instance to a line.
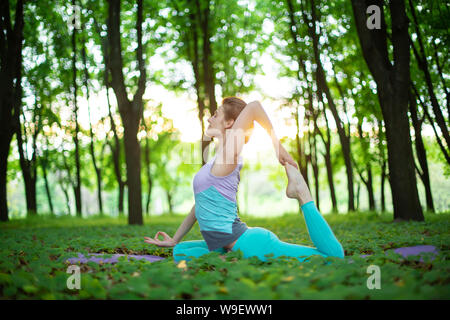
[235, 138]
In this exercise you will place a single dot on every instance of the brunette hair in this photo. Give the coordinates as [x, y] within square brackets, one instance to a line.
[232, 107]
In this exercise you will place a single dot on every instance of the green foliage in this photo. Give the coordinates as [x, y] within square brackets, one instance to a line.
[33, 252]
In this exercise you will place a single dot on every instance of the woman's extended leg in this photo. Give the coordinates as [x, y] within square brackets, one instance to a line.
[194, 248]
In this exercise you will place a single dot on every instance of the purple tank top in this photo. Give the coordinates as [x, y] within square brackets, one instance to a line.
[215, 206]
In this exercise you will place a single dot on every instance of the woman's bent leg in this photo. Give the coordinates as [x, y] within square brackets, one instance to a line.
[194, 248]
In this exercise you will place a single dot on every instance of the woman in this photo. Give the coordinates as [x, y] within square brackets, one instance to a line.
[215, 188]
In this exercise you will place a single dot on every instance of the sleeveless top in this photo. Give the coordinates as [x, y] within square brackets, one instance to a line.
[215, 206]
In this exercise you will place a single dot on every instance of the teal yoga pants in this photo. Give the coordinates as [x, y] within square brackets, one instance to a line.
[260, 242]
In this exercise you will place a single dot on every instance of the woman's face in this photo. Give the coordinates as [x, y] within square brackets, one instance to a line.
[218, 124]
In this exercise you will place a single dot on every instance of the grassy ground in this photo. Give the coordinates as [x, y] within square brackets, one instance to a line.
[33, 254]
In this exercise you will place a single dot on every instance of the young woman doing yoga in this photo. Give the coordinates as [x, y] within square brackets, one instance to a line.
[215, 187]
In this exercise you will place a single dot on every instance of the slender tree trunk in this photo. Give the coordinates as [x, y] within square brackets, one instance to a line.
[370, 188]
[194, 57]
[324, 88]
[47, 188]
[302, 162]
[421, 153]
[208, 71]
[315, 166]
[77, 185]
[66, 195]
[27, 173]
[29, 166]
[383, 179]
[423, 65]
[147, 167]
[428, 116]
[97, 169]
[393, 83]
[329, 167]
[115, 149]
[358, 188]
[169, 202]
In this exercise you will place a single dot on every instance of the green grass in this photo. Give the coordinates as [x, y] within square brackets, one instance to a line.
[33, 253]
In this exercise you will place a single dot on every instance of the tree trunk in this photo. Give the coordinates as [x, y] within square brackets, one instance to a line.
[28, 171]
[147, 167]
[423, 65]
[77, 185]
[4, 152]
[393, 87]
[133, 163]
[115, 149]
[10, 89]
[208, 71]
[169, 202]
[130, 111]
[421, 153]
[358, 188]
[329, 167]
[66, 195]
[370, 188]
[47, 188]
[383, 179]
[195, 61]
[324, 88]
[97, 169]
[315, 168]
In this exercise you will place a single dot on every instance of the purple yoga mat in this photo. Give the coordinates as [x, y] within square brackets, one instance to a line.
[412, 251]
[98, 257]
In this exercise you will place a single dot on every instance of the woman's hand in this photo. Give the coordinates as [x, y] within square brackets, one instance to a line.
[284, 157]
[167, 242]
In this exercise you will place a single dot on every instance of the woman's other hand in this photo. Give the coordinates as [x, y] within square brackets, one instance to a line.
[284, 157]
[167, 242]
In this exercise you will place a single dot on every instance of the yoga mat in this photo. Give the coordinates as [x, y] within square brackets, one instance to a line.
[98, 257]
[413, 251]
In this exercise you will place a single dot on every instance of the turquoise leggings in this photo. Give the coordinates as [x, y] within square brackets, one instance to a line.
[260, 242]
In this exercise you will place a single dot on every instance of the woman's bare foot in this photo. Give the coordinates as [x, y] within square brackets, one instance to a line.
[297, 187]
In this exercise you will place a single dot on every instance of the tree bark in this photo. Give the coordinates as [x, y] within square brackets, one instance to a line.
[10, 89]
[97, 169]
[315, 166]
[130, 111]
[393, 87]
[324, 89]
[77, 185]
[421, 153]
[383, 179]
[194, 57]
[423, 65]
[28, 166]
[47, 188]
[208, 71]
[147, 167]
